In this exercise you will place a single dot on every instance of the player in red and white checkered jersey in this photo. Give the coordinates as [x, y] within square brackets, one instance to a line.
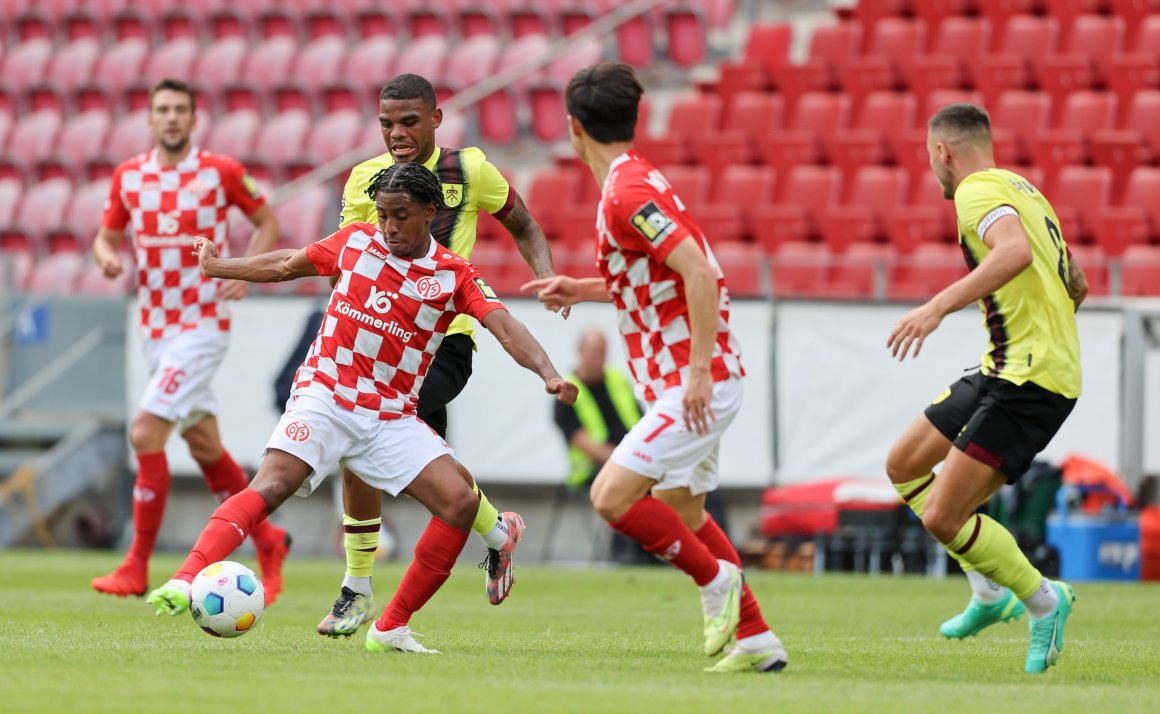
[673, 308]
[354, 397]
[170, 196]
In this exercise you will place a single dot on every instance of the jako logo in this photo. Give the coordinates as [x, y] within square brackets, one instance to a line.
[297, 431]
[378, 301]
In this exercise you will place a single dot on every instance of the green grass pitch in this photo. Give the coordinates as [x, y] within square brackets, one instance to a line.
[618, 640]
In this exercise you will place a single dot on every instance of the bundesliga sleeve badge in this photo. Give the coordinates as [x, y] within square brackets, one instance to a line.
[652, 223]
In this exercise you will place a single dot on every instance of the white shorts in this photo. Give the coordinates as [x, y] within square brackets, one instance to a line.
[659, 447]
[181, 369]
[387, 455]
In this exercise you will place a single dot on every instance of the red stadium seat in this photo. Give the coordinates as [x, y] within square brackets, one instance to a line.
[547, 96]
[894, 44]
[26, 64]
[958, 44]
[82, 139]
[921, 275]
[1136, 217]
[332, 136]
[218, 64]
[1019, 117]
[743, 265]
[1084, 113]
[871, 198]
[1094, 264]
[268, 64]
[130, 136]
[32, 138]
[870, 13]
[226, 23]
[1079, 194]
[276, 22]
[861, 272]
[121, 65]
[6, 122]
[234, 134]
[832, 47]
[935, 12]
[370, 62]
[799, 269]
[1083, 61]
[497, 111]
[1068, 12]
[733, 200]
[40, 211]
[817, 115]
[425, 56]
[685, 26]
[552, 188]
[927, 217]
[73, 65]
[86, 209]
[377, 21]
[11, 190]
[883, 116]
[304, 218]
[690, 118]
[1000, 12]
[1141, 270]
[634, 41]
[689, 183]
[280, 139]
[766, 55]
[804, 195]
[319, 63]
[1136, 142]
[176, 23]
[92, 281]
[749, 117]
[173, 59]
[1015, 63]
[55, 274]
[1137, 69]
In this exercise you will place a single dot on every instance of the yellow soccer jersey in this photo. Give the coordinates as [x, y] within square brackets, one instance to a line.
[470, 183]
[1031, 319]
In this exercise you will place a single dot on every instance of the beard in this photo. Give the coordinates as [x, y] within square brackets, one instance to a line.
[174, 147]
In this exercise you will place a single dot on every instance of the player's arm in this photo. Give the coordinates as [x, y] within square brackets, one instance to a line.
[271, 267]
[107, 251]
[564, 291]
[527, 352]
[589, 446]
[1077, 284]
[1010, 255]
[702, 298]
[529, 237]
[265, 236]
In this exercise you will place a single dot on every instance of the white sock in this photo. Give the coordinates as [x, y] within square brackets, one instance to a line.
[985, 590]
[362, 586]
[497, 536]
[1043, 600]
[720, 580]
[756, 643]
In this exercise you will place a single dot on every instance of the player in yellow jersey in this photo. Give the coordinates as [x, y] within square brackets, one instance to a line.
[409, 116]
[987, 427]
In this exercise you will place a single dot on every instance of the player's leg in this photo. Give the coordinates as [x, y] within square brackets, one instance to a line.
[225, 478]
[757, 648]
[441, 489]
[147, 436]
[910, 465]
[362, 519]
[659, 449]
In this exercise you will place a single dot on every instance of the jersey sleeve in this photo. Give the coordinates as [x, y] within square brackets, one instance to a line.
[325, 253]
[645, 218]
[981, 202]
[473, 295]
[493, 193]
[241, 189]
[116, 216]
[357, 207]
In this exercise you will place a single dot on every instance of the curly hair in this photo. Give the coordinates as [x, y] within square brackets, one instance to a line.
[408, 178]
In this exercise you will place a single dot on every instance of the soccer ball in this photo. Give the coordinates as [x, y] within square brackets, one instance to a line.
[227, 599]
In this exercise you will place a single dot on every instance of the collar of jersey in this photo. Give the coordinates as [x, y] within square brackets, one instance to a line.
[180, 165]
[381, 243]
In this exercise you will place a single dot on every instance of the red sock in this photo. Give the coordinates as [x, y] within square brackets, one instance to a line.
[149, 495]
[225, 478]
[660, 531]
[227, 528]
[752, 623]
[435, 554]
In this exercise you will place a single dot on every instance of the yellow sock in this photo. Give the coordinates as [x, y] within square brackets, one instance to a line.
[991, 549]
[915, 493]
[361, 539]
[486, 516]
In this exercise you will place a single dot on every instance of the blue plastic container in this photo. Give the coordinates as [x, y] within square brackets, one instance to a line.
[1094, 547]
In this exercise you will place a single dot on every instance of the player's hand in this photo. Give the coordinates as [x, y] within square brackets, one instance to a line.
[698, 402]
[205, 251]
[562, 312]
[233, 289]
[112, 266]
[564, 390]
[912, 330]
[560, 292]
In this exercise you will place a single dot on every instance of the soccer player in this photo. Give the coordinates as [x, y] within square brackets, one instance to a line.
[170, 196]
[673, 310]
[354, 400]
[987, 427]
[409, 117]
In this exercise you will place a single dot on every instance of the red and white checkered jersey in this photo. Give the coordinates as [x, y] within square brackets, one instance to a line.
[639, 222]
[387, 317]
[168, 207]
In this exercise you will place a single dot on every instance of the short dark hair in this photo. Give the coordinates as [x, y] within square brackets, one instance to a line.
[409, 86]
[605, 99]
[408, 178]
[968, 120]
[174, 85]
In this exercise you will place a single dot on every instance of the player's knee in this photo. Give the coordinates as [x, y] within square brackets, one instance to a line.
[606, 504]
[146, 435]
[204, 450]
[941, 523]
[898, 466]
[460, 509]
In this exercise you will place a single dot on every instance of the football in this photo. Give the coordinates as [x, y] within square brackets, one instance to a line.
[227, 599]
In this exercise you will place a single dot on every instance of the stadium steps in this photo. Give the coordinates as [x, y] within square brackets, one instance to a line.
[45, 465]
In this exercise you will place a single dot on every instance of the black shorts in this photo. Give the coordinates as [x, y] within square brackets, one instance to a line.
[446, 378]
[999, 423]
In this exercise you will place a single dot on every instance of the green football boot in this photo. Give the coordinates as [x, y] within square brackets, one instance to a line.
[979, 616]
[172, 598]
[1047, 632]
